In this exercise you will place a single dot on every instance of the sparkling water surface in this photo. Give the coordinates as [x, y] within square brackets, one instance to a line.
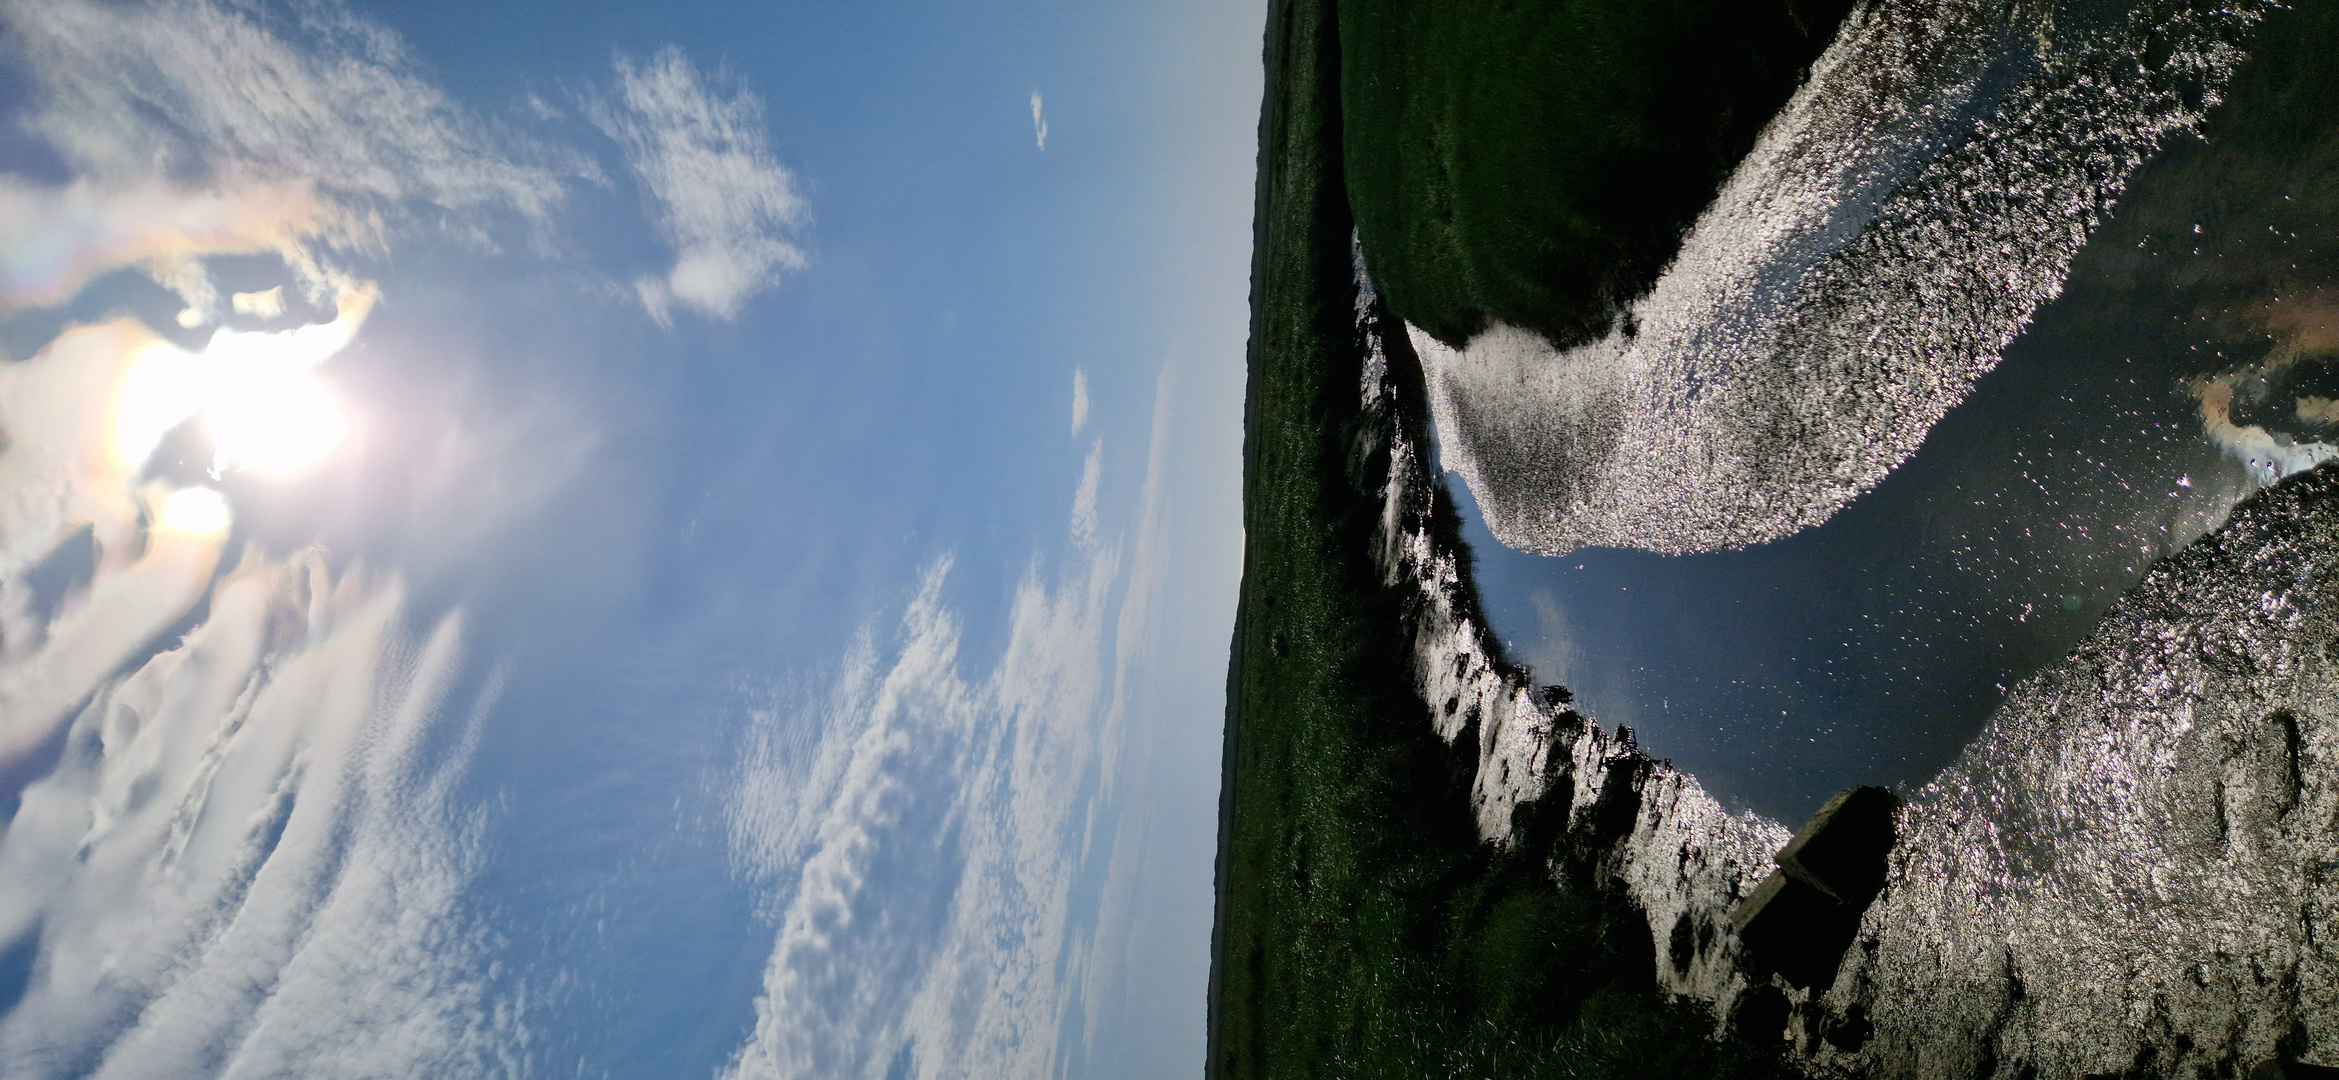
[2187, 363]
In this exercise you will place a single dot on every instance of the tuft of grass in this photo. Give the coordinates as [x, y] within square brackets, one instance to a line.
[1537, 161]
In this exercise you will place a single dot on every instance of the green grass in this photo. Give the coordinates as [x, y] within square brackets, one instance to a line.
[1362, 929]
[1536, 161]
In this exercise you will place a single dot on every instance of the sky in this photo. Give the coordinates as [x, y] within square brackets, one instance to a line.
[616, 540]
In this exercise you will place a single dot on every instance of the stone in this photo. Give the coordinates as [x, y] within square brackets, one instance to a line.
[1794, 930]
[1799, 921]
[1843, 849]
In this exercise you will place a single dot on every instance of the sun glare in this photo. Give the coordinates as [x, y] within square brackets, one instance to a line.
[195, 511]
[254, 392]
[277, 425]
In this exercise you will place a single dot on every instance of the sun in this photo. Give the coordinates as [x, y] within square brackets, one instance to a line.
[254, 393]
[195, 511]
[279, 425]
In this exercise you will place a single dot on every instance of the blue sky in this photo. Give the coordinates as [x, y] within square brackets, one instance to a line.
[768, 612]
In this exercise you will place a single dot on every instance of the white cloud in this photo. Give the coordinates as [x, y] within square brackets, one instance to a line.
[266, 304]
[1084, 497]
[240, 862]
[243, 860]
[123, 612]
[861, 910]
[1079, 400]
[60, 237]
[724, 203]
[220, 96]
[201, 127]
[926, 834]
[190, 122]
[1039, 123]
[249, 861]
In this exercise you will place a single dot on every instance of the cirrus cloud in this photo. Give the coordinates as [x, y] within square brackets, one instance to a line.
[725, 205]
[940, 844]
[193, 128]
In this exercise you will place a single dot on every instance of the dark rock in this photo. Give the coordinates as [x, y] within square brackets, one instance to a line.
[1802, 917]
[1794, 930]
[1683, 946]
[1850, 1031]
[2293, 1070]
[1761, 1016]
[1841, 851]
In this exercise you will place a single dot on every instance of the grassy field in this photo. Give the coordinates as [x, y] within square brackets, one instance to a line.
[1536, 161]
[1362, 930]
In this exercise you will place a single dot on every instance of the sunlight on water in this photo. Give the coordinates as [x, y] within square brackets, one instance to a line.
[2085, 625]
[1896, 226]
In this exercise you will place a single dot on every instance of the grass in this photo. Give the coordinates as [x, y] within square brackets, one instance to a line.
[1362, 929]
[1536, 161]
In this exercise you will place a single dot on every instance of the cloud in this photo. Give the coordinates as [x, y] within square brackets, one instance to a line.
[1084, 522]
[928, 896]
[83, 416]
[219, 97]
[249, 860]
[724, 203]
[265, 304]
[123, 611]
[236, 848]
[237, 853]
[230, 855]
[937, 845]
[62, 236]
[2269, 455]
[863, 904]
[196, 127]
[1079, 400]
[2288, 439]
[1039, 123]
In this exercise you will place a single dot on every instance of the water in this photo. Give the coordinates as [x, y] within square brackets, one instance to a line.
[1870, 649]
[2116, 733]
[2129, 872]
[2188, 360]
[1893, 229]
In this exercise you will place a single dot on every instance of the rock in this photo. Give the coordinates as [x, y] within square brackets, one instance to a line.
[1841, 851]
[1802, 917]
[2293, 1070]
[1761, 1016]
[1792, 929]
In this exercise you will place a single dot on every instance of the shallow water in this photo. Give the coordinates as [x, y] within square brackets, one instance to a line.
[2117, 429]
